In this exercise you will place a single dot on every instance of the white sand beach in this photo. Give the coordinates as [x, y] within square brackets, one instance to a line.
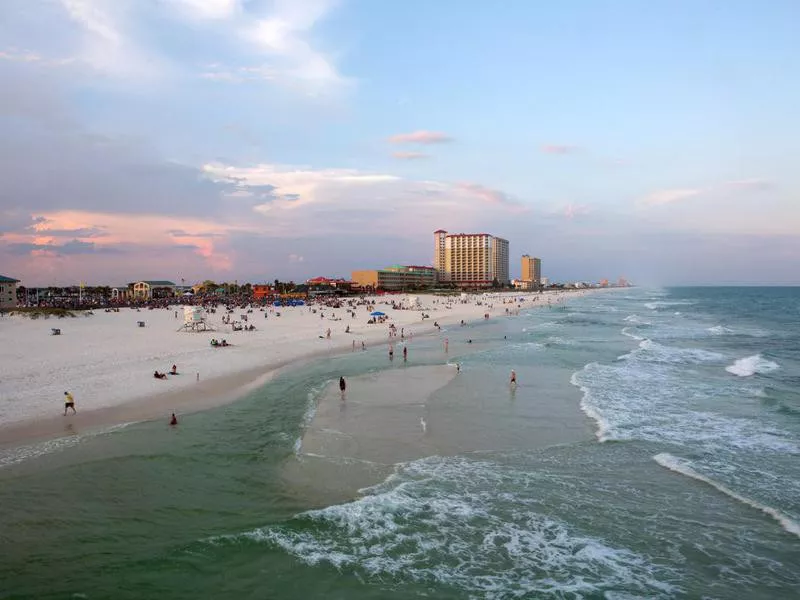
[106, 361]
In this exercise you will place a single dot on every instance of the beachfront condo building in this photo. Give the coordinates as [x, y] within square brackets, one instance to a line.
[396, 277]
[8, 292]
[470, 259]
[531, 270]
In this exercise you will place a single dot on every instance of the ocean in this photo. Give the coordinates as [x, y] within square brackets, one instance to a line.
[650, 450]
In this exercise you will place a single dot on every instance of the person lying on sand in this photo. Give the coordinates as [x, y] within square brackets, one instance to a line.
[158, 375]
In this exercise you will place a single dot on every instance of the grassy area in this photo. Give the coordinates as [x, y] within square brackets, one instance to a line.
[38, 312]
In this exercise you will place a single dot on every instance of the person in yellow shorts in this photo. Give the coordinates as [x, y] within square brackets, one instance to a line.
[69, 402]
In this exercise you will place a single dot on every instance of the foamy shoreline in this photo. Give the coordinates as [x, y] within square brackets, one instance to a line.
[106, 361]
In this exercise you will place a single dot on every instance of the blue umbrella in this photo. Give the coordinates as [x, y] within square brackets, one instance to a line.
[276, 303]
[377, 313]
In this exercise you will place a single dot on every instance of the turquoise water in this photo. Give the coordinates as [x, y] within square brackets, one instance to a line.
[650, 451]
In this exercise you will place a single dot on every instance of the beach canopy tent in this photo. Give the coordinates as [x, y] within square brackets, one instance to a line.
[377, 313]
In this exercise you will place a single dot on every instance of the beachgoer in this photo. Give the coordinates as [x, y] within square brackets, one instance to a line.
[342, 386]
[391, 353]
[69, 402]
[173, 420]
[174, 370]
[405, 353]
[513, 376]
[446, 344]
[363, 346]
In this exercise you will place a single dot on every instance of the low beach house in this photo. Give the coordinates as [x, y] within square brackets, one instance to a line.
[145, 290]
[8, 292]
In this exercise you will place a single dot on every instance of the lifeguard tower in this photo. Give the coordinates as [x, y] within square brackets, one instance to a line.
[194, 319]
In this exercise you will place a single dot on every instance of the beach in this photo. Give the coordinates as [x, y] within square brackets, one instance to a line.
[648, 450]
[106, 360]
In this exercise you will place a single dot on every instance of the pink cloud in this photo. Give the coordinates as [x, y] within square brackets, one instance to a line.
[420, 137]
[409, 155]
[559, 149]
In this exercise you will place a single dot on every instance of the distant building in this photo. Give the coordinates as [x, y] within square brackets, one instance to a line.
[419, 276]
[262, 291]
[531, 270]
[395, 278]
[325, 285]
[146, 290]
[545, 281]
[8, 292]
[470, 259]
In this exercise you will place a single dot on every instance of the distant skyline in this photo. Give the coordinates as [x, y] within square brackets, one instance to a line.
[258, 139]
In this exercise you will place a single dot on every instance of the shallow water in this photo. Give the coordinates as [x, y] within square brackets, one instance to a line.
[692, 492]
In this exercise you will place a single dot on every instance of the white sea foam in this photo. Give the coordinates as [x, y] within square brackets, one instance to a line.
[628, 331]
[664, 304]
[590, 410]
[720, 330]
[637, 320]
[750, 365]
[651, 351]
[13, 456]
[464, 524]
[681, 466]
[635, 401]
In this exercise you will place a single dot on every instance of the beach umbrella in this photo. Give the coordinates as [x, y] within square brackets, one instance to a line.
[276, 303]
[377, 313]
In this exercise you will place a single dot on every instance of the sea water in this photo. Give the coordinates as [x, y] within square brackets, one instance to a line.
[650, 450]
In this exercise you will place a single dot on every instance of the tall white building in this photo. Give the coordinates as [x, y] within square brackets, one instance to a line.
[470, 259]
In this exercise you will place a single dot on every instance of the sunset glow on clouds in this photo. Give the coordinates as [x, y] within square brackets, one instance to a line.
[188, 139]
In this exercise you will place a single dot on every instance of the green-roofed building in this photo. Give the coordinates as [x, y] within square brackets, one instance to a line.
[8, 292]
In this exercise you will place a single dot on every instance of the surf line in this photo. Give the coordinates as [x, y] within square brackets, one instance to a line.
[679, 466]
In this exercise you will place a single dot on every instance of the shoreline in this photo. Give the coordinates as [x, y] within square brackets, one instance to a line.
[222, 389]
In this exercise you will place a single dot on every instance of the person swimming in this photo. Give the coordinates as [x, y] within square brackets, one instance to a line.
[173, 420]
[513, 377]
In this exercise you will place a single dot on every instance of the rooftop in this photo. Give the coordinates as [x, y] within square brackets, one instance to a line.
[4, 279]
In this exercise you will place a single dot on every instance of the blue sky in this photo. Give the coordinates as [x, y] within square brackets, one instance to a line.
[249, 140]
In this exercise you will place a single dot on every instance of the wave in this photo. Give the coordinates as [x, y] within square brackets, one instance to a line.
[720, 330]
[651, 351]
[664, 304]
[18, 454]
[750, 365]
[678, 465]
[465, 524]
[603, 426]
[635, 401]
[628, 331]
[636, 320]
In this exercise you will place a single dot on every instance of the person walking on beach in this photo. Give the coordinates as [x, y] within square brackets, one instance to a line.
[405, 353]
[342, 386]
[69, 402]
[391, 353]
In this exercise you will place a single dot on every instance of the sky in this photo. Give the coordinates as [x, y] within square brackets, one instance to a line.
[248, 140]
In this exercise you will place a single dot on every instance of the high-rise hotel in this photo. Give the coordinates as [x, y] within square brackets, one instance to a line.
[531, 268]
[470, 259]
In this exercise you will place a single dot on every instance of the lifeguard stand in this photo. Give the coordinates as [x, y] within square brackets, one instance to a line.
[194, 319]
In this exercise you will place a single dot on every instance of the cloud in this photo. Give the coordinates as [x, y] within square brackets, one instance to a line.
[420, 137]
[208, 9]
[559, 149]
[68, 248]
[670, 196]
[665, 197]
[410, 155]
[489, 195]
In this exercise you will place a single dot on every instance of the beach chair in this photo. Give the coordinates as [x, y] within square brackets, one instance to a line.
[56, 331]
[141, 323]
